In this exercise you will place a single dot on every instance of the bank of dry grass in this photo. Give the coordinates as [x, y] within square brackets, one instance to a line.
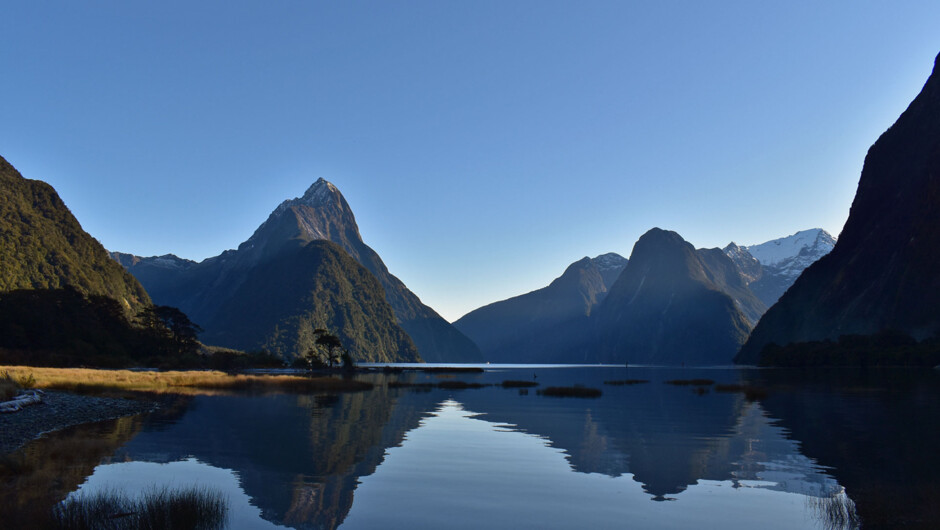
[86, 380]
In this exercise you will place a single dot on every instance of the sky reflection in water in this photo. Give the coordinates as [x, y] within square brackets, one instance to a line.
[501, 458]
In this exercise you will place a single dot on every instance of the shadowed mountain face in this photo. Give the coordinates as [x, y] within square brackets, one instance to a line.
[882, 273]
[42, 246]
[668, 306]
[322, 214]
[551, 324]
[276, 301]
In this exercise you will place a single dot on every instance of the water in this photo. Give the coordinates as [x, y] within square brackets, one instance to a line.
[650, 455]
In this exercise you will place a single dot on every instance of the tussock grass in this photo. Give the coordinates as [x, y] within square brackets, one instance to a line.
[8, 387]
[570, 391]
[433, 369]
[837, 512]
[690, 382]
[459, 385]
[85, 380]
[623, 382]
[512, 383]
[197, 508]
[404, 384]
[751, 393]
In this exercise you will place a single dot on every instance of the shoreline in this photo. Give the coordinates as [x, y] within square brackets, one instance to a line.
[60, 410]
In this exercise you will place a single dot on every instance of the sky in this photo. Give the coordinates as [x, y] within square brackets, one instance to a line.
[483, 146]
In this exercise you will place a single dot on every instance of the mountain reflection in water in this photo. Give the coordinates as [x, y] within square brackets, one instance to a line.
[496, 457]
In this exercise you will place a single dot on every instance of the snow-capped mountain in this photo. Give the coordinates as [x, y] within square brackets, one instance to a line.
[798, 248]
[771, 268]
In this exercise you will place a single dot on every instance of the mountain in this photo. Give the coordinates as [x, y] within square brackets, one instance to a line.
[668, 306]
[275, 302]
[43, 246]
[322, 213]
[882, 272]
[315, 285]
[548, 324]
[212, 291]
[771, 268]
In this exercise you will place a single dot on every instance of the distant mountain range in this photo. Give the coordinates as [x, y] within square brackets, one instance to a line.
[882, 273]
[668, 304]
[261, 296]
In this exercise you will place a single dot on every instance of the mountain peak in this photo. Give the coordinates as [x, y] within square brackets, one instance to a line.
[319, 192]
[779, 250]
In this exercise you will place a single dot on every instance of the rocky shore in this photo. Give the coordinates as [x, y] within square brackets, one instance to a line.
[59, 410]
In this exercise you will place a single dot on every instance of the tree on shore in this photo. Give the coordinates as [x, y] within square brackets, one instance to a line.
[172, 324]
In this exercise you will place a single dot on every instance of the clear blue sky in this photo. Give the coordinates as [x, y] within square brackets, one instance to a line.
[483, 145]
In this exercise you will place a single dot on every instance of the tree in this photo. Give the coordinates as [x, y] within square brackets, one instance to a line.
[171, 323]
[330, 343]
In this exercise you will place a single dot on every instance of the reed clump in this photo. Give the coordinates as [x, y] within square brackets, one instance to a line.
[751, 393]
[459, 385]
[578, 391]
[513, 383]
[836, 512]
[9, 388]
[690, 382]
[624, 382]
[197, 508]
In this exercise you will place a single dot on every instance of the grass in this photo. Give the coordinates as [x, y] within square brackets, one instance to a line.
[85, 380]
[751, 393]
[571, 391]
[459, 385]
[196, 508]
[837, 512]
[512, 383]
[433, 369]
[447, 385]
[622, 382]
[690, 382]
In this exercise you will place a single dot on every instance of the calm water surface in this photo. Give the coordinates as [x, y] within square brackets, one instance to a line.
[653, 455]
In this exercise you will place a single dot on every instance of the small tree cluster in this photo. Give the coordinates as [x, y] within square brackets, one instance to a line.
[328, 351]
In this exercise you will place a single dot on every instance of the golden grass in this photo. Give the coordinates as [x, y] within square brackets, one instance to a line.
[189, 382]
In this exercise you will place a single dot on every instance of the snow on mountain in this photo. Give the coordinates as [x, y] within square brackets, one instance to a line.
[773, 253]
[611, 260]
[771, 268]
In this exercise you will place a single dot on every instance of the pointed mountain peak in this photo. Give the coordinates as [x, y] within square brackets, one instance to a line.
[320, 192]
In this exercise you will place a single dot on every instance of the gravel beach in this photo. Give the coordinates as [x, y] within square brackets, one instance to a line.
[60, 410]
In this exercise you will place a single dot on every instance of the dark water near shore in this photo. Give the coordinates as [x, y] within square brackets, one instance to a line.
[796, 452]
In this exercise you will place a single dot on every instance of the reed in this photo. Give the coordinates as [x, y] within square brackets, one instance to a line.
[9, 388]
[624, 382]
[690, 382]
[197, 508]
[570, 391]
[836, 512]
[512, 383]
[751, 393]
